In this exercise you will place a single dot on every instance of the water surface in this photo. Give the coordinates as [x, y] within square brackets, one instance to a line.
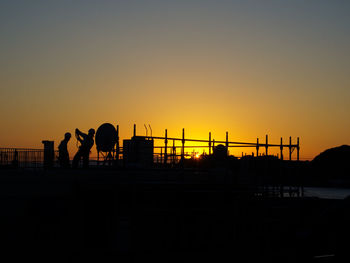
[325, 192]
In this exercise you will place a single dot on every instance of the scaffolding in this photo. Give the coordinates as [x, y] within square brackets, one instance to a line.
[170, 152]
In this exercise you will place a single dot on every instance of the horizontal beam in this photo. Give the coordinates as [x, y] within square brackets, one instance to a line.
[237, 144]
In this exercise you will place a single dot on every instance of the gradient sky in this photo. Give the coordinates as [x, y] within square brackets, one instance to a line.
[247, 67]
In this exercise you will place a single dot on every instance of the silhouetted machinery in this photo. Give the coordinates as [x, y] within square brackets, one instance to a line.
[138, 152]
[107, 145]
[220, 152]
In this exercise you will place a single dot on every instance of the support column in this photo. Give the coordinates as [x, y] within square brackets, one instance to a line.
[298, 148]
[290, 148]
[174, 153]
[227, 143]
[209, 143]
[166, 147]
[117, 144]
[183, 145]
[281, 148]
[49, 154]
[161, 155]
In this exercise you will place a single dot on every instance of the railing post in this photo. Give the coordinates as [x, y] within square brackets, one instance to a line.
[227, 143]
[209, 143]
[134, 130]
[183, 145]
[161, 155]
[290, 148]
[266, 145]
[298, 148]
[174, 153]
[117, 145]
[281, 148]
[166, 147]
[257, 147]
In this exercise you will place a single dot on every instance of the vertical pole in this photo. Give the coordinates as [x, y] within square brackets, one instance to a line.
[257, 147]
[266, 145]
[117, 146]
[226, 143]
[134, 130]
[213, 145]
[298, 148]
[281, 148]
[166, 147]
[209, 143]
[174, 153]
[183, 145]
[290, 148]
[161, 155]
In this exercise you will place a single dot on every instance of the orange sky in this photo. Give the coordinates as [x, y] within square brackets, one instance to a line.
[247, 68]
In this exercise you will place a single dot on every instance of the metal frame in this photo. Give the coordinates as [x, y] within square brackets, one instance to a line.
[211, 144]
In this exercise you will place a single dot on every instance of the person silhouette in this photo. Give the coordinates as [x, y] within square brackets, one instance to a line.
[87, 141]
[63, 155]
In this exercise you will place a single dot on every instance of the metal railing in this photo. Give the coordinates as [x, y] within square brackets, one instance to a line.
[21, 157]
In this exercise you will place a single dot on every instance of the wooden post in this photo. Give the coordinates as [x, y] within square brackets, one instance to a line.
[266, 146]
[209, 143]
[257, 147]
[281, 148]
[290, 148]
[298, 148]
[183, 145]
[166, 147]
[134, 130]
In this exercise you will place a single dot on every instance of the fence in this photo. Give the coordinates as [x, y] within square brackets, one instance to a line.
[21, 157]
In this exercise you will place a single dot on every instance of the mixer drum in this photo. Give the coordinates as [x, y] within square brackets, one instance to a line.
[106, 138]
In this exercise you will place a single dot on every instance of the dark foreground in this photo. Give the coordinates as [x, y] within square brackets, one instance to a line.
[137, 216]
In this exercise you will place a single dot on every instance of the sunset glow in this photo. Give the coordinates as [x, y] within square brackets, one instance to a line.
[250, 68]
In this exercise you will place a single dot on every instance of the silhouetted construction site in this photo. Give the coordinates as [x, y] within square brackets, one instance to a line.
[108, 146]
[260, 171]
[150, 198]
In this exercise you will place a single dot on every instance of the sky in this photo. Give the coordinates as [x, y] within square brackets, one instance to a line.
[250, 68]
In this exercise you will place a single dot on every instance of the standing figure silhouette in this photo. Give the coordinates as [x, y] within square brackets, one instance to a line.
[63, 155]
[86, 141]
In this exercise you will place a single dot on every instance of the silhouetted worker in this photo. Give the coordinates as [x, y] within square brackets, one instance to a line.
[63, 155]
[87, 141]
